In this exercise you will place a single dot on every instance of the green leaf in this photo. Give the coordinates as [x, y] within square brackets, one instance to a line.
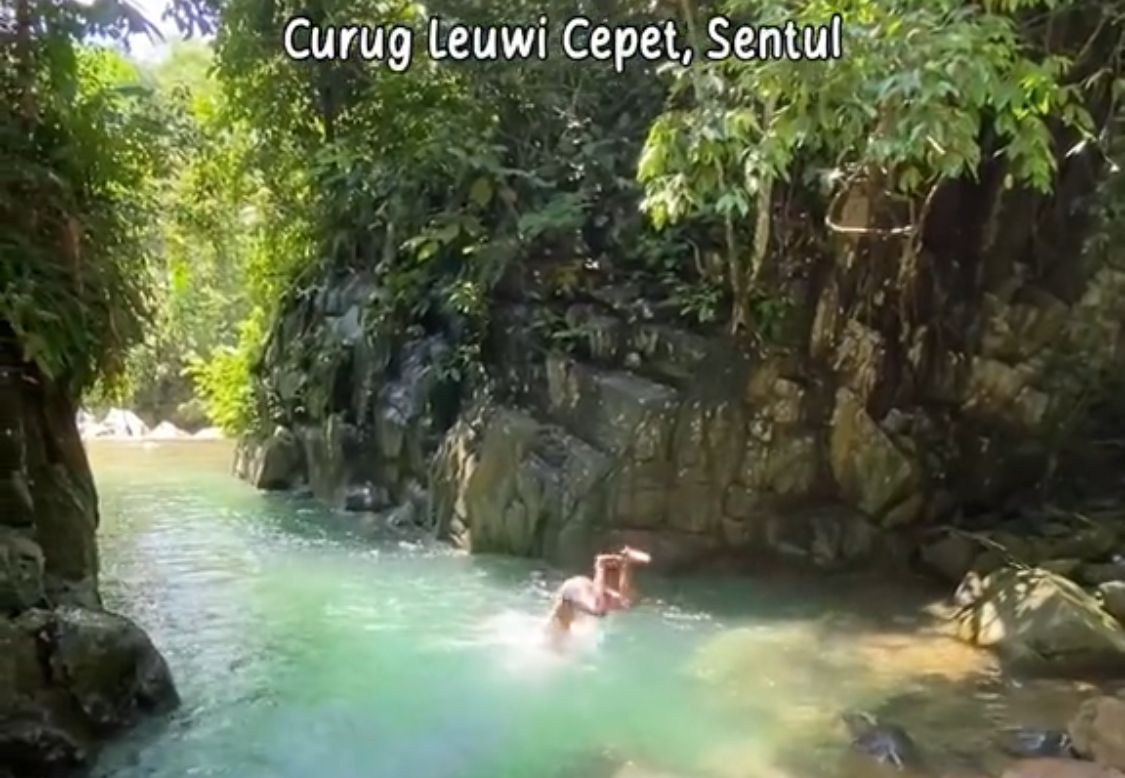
[481, 192]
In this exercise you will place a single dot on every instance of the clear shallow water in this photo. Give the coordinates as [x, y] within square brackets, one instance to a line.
[302, 650]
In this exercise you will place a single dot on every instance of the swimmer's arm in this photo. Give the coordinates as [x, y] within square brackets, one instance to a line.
[614, 595]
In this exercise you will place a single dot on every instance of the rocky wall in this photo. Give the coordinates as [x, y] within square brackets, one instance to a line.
[651, 435]
[645, 432]
[353, 420]
[71, 674]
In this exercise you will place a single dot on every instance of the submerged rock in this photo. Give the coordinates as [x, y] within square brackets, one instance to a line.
[366, 499]
[404, 516]
[1036, 618]
[886, 743]
[1035, 743]
[1098, 731]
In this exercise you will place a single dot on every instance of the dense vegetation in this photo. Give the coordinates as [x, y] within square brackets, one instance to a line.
[85, 153]
[200, 201]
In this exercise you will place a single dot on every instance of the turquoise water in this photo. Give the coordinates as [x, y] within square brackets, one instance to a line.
[303, 650]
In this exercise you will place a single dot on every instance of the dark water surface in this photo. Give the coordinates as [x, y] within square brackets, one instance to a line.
[304, 651]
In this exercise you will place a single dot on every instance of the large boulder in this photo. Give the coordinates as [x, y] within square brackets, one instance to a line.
[107, 664]
[873, 473]
[67, 678]
[121, 423]
[1040, 619]
[274, 463]
[1098, 731]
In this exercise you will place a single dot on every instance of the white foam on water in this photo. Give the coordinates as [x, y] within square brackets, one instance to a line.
[520, 644]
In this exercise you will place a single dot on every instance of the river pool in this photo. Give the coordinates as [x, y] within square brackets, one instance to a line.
[301, 649]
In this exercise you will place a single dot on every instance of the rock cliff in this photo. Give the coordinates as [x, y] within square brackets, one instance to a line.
[71, 674]
[835, 449]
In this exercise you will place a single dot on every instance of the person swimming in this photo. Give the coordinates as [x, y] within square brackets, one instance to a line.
[610, 589]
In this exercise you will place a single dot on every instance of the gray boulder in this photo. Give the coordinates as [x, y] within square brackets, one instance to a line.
[107, 664]
[1039, 619]
[123, 424]
[274, 463]
[69, 677]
